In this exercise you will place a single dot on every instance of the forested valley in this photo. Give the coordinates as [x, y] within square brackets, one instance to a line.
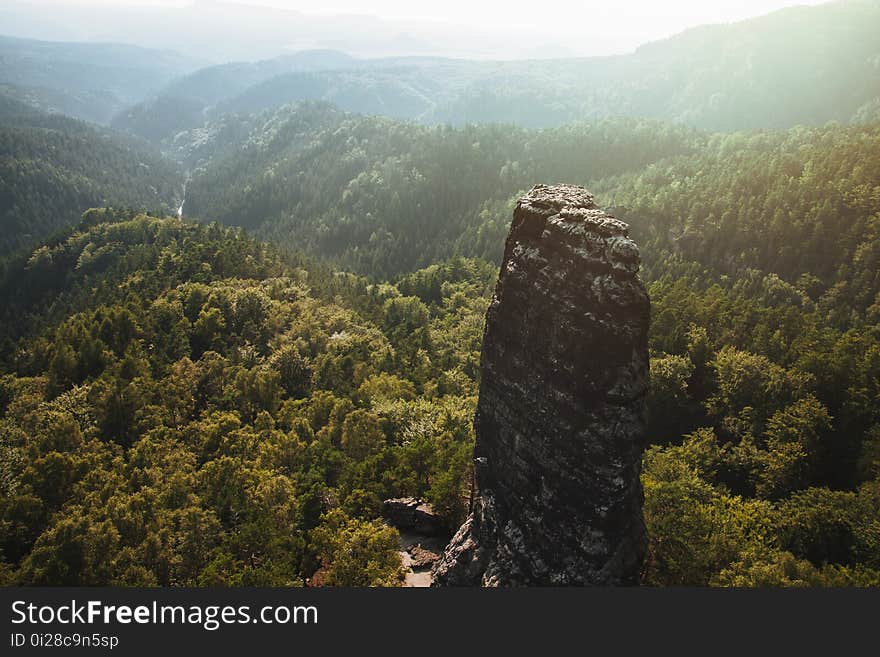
[52, 167]
[226, 397]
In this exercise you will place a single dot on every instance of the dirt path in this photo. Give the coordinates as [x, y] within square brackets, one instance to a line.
[418, 553]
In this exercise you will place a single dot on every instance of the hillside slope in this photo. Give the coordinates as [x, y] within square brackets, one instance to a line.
[385, 197]
[181, 406]
[52, 168]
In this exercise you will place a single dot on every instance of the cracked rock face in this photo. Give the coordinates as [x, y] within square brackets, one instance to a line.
[560, 417]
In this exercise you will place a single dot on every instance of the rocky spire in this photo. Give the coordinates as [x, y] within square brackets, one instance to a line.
[560, 417]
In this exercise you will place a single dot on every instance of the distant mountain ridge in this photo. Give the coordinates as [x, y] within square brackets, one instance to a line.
[91, 81]
[53, 167]
[801, 65]
[185, 102]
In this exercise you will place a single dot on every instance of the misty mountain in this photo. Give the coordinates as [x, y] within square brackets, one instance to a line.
[53, 167]
[803, 65]
[227, 31]
[185, 102]
[91, 81]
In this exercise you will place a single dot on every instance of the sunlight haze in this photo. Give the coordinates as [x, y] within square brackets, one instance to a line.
[458, 28]
[386, 293]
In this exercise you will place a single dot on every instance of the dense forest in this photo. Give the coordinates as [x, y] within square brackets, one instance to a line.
[52, 168]
[384, 197]
[152, 361]
[192, 409]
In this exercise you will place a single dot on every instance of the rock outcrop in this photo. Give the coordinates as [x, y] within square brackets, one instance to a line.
[412, 515]
[422, 537]
[560, 417]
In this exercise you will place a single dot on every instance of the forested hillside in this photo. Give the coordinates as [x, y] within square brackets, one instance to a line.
[227, 398]
[187, 408]
[183, 104]
[385, 197]
[52, 168]
[183, 405]
[801, 204]
[765, 369]
[761, 254]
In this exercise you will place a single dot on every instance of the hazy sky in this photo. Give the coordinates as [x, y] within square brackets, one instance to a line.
[558, 14]
[502, 28]
[643, 17]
